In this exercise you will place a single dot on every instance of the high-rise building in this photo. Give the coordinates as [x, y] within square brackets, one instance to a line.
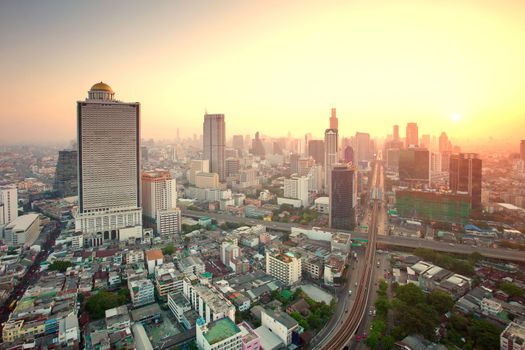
[334, 122]
[214, 136]
[412, 138]
[362, 147]
[307, 138]
[159, 202]
[343, 197]
[238, 142]
[297, 187]
[232, 166]
[330, 140]
[425, 141]
[465, 176]
[349, 154]
[108, 138]
[522, 150]
[286, 267]
[414, 165]
[294, 163]
[257, 146]
[316, 151]
[304, 165]
[8, 204]
[229, 251]
[395, 136]
[198, 166]
[444, 143]
[66, 174]
[207, 180]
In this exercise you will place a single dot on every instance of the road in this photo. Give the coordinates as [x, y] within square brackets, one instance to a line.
[497, 253]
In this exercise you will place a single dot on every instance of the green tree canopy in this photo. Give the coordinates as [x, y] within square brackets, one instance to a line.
[60, 265]
[102, 301]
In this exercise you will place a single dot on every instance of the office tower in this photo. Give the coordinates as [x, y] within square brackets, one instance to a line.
[522, 150]
[232, 166]
[362, 147]
[316, 151]
[343, 197]
[412, 138]
[144, 153]
[392, 159]
[238, 142]
[414, 166]
[159, 202]
[349, 154]
[304, 165]
[435, 162]
[307, 138]
[8, 204]
[294, 163]
[257, 146]
[465, 176]
[395, 136]
[445, 161]
[214, 136]
[425, 141]
[330, 154]
[296, 187]
[108, 138]
[334, 122]
[283, 266]
[198, 166]
[66, 174]
[444, 143]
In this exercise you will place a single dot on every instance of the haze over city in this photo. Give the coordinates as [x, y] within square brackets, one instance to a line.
[273, 67]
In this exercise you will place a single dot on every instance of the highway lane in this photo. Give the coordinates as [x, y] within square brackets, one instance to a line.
[497, 253]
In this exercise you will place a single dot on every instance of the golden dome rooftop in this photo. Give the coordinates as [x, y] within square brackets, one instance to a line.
[101, 87]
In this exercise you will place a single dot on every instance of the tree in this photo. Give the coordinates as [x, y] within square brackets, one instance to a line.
[511, 289]
[382, 305]
[300, 319]
[485, 335]
[102, 301]
[168, 249]
[440, 301]
[410, 294]
[60, 265]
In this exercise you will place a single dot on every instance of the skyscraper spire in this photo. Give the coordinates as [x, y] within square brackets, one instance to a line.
[334, 123]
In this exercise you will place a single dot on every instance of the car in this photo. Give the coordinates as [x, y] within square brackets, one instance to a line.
[349, 292]
[451, 244]
[358, 338]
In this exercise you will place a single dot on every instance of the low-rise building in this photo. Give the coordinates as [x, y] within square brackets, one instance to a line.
[167, 279]
[222, 334]
[142, 292]
[285, 267]
[280, 323]
[117, 319]
[154, 257]
[23, 231]
[513, 337]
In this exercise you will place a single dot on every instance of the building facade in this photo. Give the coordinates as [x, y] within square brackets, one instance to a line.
[214, 138]
[331, 137]
[66, 174]
[465, 176]
[343, 197]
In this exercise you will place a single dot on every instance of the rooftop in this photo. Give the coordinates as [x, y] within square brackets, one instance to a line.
[220, 330]
[154, 254]
[282, 317]
[23, 222]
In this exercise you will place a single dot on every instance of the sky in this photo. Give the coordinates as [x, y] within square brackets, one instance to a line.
[269, 66]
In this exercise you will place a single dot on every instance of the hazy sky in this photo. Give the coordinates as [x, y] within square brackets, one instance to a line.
[272, 66]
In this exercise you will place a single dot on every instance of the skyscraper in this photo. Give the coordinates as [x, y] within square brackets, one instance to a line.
[362, 149]
[412, 138]
[334, 122]
[66, 174]
[522, 150]
[108, 138]
[159, 202]
[257, 146]
[396, 133]
[8, 204]
[465, 176]
[414, 165]
[349, 154]
[238, 142]
[444, 143]
[343, 197]
[214, 138]
[425, 141]
[330, 151]
[316, 151]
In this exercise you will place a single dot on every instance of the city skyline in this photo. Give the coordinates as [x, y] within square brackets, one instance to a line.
[339, 57]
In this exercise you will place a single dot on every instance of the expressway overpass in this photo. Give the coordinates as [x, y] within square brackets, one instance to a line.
[496, 253]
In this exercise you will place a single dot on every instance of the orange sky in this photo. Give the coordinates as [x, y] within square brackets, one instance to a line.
[271, 66]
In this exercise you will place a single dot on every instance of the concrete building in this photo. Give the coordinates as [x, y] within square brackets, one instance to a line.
[285, 267]
[221, 334]
[8, 204]
[297, 188]
[280, 323]
[322, 205]
[343, 197]
[191, 265]
[250, 339]
[229, 251]
[207, 180]
[465, 176]
[414, 166]
[142, 292]
[513, 337]
[154, 257]
[233, 166]
[159, 202]
[208, 302]
[331, 137]
[214, 139]
[316, 151]
[23, 231]
[198, 166]
[168, 280]
[362, 147]
[108, 139]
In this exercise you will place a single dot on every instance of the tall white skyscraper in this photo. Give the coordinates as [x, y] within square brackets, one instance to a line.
[159, 202]
[108, 138]
[214, 139]
[330, 150]
[8, 204]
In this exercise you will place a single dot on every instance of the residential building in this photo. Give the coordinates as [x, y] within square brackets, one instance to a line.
[168, 280]
[250, 339]
[232, 166]
[207, 180]
[297, 188]
[142, 292]
[154, 257]
[229, 251]
[8, 204]
[285, 267]
[198, 166]
[414, 165]
[191, 265]
[316, 151]
[208, 302]
[117, 319]
[214, 142]
[108, 139]
[362, 147]
[513, 337]
[221, 334]
[412, 138]
[280, 323]
[159, 202]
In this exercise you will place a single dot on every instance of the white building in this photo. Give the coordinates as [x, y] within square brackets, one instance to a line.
[322, 205]
[209, 303]
[315, 179]
[23, 231]
[108, 138]
[490, 307]
[159, 202]
[168, 280]
[285, 267]
[297, 187]
[191, 265]
[154, 257]
[221, 334]
[198, 166]
[513, 337]
[135, 256]
[8, 204]
[229, 251]
[142, 292]
[214, 140]
[280, 323]
[68, 330]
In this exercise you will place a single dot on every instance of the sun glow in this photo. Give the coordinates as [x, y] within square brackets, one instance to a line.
[456, 117]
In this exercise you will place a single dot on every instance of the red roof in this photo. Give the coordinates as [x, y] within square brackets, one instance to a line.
[105, 253]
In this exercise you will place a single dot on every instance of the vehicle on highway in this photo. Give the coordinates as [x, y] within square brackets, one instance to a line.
[356, 284]
[349, 292]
